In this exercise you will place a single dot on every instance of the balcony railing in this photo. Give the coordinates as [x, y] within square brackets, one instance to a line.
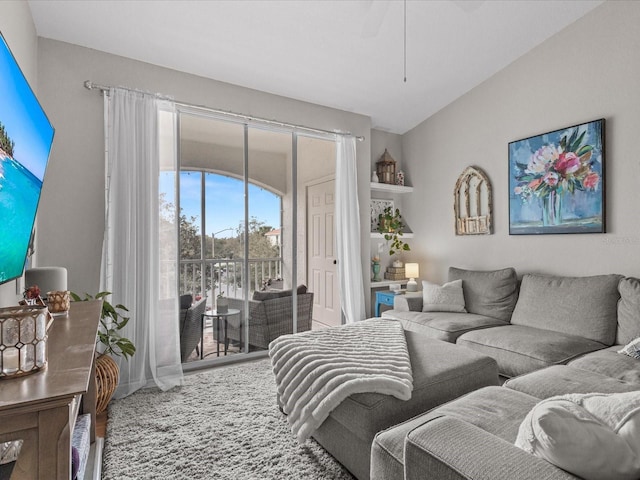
[225, 275]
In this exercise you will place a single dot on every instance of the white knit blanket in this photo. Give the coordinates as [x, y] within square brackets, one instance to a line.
[316, 370]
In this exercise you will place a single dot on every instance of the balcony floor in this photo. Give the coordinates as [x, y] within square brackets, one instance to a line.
[210, 343]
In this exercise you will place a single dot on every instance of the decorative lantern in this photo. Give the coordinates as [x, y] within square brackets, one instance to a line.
[386, 168]
[23, 340]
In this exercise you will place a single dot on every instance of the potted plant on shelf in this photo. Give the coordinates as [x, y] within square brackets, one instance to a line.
[390, 225]
[112, 320]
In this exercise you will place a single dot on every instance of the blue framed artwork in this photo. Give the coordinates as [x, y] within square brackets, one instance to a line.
[556, 181]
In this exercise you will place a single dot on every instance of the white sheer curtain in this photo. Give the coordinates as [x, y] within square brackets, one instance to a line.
[348, 231]
[139, 258]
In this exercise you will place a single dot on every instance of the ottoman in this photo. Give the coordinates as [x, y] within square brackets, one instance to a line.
[441, 372]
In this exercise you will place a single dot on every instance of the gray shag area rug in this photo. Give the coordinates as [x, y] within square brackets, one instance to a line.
[223, 423]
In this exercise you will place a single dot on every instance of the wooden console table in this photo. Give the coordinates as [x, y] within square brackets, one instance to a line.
[41, 408]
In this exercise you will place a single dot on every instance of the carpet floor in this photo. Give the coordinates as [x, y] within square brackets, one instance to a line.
[223, 423]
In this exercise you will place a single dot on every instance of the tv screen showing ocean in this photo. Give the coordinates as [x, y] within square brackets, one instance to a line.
[19, 192]
[26, 136]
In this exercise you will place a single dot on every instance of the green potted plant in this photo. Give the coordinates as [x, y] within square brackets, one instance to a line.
[222, 303]
[390, 225]
[112, 320]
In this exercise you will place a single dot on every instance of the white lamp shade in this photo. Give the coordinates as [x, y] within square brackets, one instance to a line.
[412, 270]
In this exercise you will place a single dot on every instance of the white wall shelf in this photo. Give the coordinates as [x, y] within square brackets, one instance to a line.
[386, 283]
[381, 235]
[387, 187]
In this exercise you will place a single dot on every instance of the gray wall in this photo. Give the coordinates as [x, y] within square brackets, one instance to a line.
[19, 31]
[588, 71]
[73, 199]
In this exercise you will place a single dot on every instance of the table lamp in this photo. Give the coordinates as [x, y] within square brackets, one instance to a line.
[412, 271]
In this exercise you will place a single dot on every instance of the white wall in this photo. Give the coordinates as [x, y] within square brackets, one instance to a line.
[19, 31]
[72, 210]
[588, 71]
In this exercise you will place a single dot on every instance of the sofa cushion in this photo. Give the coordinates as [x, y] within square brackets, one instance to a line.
[561, 379]
[612, 364]
[446, 298]
[491, 293]
[520, 349]
[594, 436]
[447, 448]
[496, 410]
[446, 326]
[441, 372]
[583, 306]
[628, 310]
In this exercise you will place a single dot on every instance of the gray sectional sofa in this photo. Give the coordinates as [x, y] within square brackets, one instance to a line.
[549, 335]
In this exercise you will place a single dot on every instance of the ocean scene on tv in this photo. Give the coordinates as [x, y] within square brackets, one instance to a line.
[25, 141]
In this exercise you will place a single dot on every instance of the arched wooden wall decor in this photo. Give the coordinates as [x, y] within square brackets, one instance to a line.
[472, 203]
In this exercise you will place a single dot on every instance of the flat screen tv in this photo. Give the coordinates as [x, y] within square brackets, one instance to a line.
[25, 142]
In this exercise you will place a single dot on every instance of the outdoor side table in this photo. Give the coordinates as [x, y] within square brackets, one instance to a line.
[218, 316]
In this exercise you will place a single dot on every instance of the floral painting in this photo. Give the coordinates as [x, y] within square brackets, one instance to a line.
[556, 181]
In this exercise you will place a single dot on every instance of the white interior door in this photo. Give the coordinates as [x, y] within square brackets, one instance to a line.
[321, 270]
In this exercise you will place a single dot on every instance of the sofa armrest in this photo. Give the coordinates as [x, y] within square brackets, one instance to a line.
[448, 448]
[408, 303]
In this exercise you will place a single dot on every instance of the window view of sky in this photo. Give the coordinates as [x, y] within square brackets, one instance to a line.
[224, 202]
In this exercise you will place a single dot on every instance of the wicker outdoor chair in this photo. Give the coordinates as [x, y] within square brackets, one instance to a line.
[190, 328]
[271, 316]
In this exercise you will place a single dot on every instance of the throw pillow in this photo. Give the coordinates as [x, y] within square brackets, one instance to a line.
[491, 293]
[595, 436]
[446, 298]
[632, 349]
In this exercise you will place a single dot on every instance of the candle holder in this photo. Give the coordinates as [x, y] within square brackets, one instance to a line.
[23, 340]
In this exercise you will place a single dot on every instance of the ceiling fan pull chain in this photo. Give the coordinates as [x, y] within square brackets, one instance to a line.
[405, 41]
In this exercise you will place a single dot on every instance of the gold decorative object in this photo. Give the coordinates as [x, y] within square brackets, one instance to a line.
[386, 168]
[23, 340]
[58, 302]
[472, 199]
[107, 378]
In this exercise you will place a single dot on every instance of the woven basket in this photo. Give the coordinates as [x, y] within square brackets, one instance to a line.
[107, 377]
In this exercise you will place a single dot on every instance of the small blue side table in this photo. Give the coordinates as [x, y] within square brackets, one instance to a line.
[384, 297]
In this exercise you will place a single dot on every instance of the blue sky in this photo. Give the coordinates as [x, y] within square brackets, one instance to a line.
[24, 120]
[225, 202]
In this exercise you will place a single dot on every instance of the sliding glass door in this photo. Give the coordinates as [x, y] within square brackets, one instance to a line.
[238, 200]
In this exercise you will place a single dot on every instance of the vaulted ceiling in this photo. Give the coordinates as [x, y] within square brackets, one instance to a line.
[345, 54]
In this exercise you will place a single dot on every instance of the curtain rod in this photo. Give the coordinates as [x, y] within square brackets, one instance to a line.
[89, 85]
